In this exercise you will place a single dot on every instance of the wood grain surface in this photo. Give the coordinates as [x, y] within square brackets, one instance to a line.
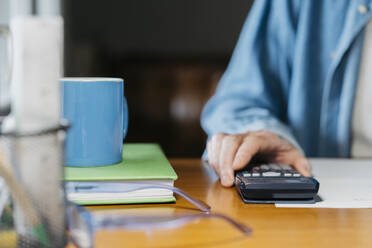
[272, 227]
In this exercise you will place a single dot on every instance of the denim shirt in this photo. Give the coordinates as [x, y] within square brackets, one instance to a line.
[294, 72]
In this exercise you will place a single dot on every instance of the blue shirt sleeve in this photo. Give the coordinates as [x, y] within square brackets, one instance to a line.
[253, 92]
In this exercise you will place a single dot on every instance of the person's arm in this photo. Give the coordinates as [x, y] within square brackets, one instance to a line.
[252, 95]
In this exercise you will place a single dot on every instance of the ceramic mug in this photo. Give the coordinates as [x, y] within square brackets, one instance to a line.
[97, 111]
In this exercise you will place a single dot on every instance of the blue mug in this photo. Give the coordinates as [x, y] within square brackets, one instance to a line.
[98, 114]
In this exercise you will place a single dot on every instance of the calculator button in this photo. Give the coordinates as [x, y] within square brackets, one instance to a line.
[287, 174]
[255, 174]
[246, 174]
[285, 167]
[265, 167]
[274, 167]
[296, 175]
[271, 174]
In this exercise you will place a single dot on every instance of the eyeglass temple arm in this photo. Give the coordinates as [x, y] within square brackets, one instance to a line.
[196, 202]
[147, 223]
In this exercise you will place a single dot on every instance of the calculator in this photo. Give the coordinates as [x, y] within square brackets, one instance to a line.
[275, 183]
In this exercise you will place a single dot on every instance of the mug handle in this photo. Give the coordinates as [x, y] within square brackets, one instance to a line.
[125, 117]
[4, 30]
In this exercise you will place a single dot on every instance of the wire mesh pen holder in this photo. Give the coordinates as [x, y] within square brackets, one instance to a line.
[32, 168]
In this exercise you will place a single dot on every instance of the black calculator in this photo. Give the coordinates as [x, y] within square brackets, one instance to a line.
[275, 183]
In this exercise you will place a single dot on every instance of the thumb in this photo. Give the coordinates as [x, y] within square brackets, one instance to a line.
[302, 165]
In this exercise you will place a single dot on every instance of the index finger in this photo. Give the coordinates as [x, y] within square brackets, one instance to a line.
[250, 146]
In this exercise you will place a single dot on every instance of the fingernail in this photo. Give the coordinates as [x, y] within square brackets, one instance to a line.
[226, 179]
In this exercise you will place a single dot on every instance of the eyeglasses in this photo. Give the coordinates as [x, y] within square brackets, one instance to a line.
[83, 224]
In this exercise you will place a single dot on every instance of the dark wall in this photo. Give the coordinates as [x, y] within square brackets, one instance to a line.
[171, 53]
[158, 26]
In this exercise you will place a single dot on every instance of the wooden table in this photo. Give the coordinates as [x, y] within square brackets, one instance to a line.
[272, 227]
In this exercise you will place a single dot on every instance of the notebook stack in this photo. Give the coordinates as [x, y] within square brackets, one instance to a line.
[143, 164]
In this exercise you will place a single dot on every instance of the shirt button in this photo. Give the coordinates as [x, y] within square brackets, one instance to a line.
[362, 9]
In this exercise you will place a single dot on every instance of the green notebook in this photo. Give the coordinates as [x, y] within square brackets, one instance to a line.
[142, 164]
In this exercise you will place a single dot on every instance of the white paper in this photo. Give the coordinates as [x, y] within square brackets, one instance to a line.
[343, 184]
[109, 190]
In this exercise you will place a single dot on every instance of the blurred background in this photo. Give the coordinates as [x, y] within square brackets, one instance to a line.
[171, 54]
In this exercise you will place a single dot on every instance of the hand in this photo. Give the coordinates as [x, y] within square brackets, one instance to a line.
[227, 153]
